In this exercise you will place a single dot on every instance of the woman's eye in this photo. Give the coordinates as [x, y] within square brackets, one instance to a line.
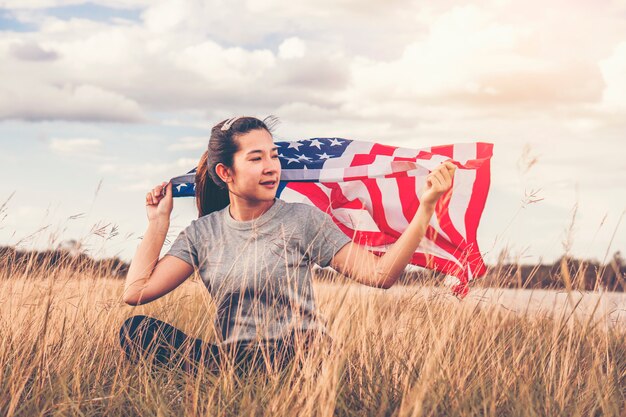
[258, 159]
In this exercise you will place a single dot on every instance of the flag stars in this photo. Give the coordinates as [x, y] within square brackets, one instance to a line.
[323, 156]
[306, 158]
[290, 160]
[294, 145]
[316, 143]
[335, 142]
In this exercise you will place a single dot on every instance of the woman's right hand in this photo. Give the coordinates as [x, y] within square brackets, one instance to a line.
[159, 206]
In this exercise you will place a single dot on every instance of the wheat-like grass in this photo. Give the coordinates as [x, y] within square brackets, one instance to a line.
[406, 351]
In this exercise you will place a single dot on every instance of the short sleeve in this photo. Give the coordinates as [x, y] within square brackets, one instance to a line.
[323, 237]
[184, 247]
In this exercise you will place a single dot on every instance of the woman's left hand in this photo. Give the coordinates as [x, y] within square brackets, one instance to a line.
[437, 183]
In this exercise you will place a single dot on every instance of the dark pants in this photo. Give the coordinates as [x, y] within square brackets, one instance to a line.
[164, 344]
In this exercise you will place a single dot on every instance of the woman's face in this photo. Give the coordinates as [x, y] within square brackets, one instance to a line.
[255, 162]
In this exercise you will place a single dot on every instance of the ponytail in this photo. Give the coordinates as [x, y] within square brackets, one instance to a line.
[209, 196]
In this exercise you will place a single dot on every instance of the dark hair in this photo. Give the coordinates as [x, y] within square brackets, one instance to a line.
[211, 192]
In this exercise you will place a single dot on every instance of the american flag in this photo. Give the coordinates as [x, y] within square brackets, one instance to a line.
[372, 191]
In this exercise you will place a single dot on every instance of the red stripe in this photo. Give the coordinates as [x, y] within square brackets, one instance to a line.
[477, 205]
[380, 149]
[369, 158]
[408, 197]
[378, 209]
[441, 207]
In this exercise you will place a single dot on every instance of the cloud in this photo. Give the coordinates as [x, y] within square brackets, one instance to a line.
[151, 171]
[187, 56]
[614, 73]
[189, 143]
[32, 52]
[471, 59]
[291, 48]
[37, 101]
[76, 146]
[44, 4]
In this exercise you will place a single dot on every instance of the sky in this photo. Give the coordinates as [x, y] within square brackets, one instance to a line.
[102, 100]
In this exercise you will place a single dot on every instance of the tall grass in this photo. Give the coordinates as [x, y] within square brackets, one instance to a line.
[406, 351]
[401, 352]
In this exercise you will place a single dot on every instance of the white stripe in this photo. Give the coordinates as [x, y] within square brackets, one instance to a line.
[428, 246]
[433, 162]
[357, 190]
[356, 219]
[463, 186]
[392, 204]
[300, 174]
[380, 167]
[405, 153]
[293, 196]
[410, 153]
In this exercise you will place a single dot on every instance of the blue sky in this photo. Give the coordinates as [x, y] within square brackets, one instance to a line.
[118, 96]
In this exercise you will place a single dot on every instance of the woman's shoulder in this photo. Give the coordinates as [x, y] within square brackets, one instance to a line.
[206, 222]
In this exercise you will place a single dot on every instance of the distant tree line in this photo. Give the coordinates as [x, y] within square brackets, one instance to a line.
[564, 273]
[15, 263]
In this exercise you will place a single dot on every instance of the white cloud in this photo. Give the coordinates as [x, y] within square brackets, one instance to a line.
[150, 171]
[471, 59]
[225, 67]
[32, 52]
[33, 100]
[41, 4]
[75, 146]
[189, 143]
[184, 56]
[291, 48]
[614, 72]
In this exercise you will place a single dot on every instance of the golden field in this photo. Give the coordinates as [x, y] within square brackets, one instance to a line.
[407, 351]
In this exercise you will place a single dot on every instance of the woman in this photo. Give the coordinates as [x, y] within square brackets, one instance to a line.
[254, 253]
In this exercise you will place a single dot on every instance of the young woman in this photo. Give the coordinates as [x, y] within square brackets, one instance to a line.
[254, 253]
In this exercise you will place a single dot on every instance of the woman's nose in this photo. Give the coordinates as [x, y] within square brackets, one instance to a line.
[271, 165]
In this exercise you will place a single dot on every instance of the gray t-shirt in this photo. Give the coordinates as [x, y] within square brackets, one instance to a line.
[259, 271]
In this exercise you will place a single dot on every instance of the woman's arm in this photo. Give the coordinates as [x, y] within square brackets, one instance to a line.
[148, 277]
[358, 263]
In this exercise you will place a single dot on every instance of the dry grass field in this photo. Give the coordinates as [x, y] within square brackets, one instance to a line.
[406, 351]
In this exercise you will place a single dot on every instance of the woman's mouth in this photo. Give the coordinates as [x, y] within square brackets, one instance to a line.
[269, 184]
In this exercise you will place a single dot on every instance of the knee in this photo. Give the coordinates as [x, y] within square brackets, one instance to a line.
[129, 328]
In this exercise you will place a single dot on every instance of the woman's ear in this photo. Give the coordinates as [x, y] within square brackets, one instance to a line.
[223, 172]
